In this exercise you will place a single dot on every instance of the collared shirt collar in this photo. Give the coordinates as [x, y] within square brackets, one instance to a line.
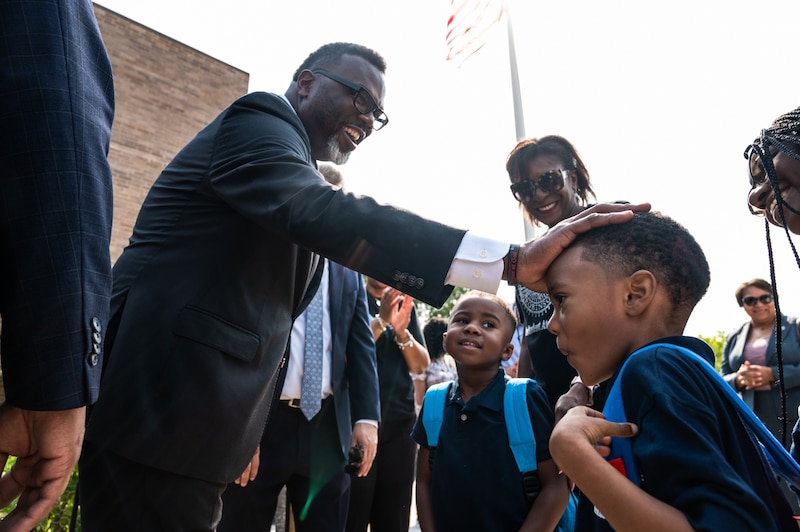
[285, 99]
[490, 397]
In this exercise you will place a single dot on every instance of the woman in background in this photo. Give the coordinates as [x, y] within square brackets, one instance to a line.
[750, 362]
[551, 184]
[749, 358]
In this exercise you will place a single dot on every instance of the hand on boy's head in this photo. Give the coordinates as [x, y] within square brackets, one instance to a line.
[536, 255]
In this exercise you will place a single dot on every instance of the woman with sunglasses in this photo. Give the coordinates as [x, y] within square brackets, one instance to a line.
[750, 361]
[551, 183]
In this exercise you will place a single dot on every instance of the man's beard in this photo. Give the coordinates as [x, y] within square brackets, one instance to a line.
[336, 155]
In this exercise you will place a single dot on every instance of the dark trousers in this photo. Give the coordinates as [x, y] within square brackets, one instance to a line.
[305, 456]
[125, 496]
[382, 499]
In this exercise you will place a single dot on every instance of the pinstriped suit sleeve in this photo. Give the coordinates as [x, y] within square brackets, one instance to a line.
[56, 107]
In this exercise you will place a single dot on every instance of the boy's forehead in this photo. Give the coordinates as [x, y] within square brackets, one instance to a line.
[570, 269]
[471, 301]
[483, 307]
[569, 259]
[483, 304]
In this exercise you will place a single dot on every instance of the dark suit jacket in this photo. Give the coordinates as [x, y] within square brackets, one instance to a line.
[219, 264]
[353, 367]
[767, 406]
[56, 109]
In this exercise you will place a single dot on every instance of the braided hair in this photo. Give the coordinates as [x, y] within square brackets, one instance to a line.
[784, 136]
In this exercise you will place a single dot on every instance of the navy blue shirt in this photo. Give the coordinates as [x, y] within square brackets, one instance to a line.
[692, 450]
[475, 482]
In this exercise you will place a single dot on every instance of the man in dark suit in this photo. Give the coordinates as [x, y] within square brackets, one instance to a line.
[56, 110]
[221, 262]
[308, 456]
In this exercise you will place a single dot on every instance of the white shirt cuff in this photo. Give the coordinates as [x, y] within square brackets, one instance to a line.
[368, 422]
[478, 264]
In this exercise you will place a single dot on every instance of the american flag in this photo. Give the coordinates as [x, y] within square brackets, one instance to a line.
[469, 25]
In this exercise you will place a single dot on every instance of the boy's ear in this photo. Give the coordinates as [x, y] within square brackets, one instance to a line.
[641, 290]
[507, 352]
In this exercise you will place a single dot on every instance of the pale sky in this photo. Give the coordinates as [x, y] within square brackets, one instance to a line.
[660, 100]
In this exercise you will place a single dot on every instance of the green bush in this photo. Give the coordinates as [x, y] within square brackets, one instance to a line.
[716, 342]
[59, 518]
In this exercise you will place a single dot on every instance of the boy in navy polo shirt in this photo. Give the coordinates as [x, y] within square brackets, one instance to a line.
[473, 482]
[614, 291]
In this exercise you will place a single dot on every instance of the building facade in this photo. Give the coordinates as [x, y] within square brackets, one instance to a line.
[165, 93]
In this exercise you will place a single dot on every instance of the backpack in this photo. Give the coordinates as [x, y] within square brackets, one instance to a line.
[520, 437]
[621, 456]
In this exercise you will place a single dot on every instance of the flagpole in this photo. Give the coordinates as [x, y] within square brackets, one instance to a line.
[519, 118]
[516, 93]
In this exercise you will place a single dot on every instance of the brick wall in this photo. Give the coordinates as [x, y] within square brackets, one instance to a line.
[165, 93]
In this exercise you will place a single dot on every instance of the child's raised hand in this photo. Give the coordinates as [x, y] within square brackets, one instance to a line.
[582, 426]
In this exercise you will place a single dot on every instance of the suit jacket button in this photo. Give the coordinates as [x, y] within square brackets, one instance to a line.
[96, 325]
[93, 359]
[96, 349]
[96, 338]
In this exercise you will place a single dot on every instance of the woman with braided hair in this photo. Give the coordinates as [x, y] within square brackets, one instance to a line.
[774, 160]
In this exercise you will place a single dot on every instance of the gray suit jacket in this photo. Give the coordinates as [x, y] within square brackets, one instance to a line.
[767, 405]
[221, 261]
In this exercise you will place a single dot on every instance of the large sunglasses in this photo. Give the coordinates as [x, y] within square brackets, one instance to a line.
[750, 301]
[362, 99]
[548, 182]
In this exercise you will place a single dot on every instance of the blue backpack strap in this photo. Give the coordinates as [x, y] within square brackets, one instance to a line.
[433, 410]
[523, 444]
[621, 455]
[518, 424]
[777, 456]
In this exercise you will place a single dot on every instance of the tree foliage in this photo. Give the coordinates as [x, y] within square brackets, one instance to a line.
[716, 342]
[59, 518]
[426, 312]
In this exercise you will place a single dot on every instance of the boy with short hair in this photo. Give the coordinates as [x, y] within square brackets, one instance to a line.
[616, 290]
[471, 481]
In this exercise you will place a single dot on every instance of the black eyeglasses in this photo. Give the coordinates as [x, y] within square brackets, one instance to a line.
[548, 182]
[362, 100]
[750, 301]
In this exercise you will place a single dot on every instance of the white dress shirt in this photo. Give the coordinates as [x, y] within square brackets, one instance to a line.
[292, 386]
